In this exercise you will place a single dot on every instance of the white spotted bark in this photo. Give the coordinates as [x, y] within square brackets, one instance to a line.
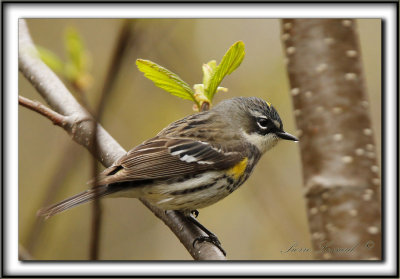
[340, 169]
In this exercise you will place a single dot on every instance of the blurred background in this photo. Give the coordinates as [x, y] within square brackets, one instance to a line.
[264, 217]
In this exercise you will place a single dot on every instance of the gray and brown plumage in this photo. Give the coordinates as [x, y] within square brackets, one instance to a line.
[192, 163]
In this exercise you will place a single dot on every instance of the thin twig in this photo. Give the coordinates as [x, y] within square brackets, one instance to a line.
[113, 70]
[55, 117]
[60, 99]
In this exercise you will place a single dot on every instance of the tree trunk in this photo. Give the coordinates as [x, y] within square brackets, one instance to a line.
[340, 169]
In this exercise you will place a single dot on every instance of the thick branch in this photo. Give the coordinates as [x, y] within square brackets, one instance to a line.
[60, 99]
[340, 170]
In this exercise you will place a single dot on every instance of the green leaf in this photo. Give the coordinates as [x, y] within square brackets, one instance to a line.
[75, 49]
[231, 60]
[50, 59]
[165, 79]
[208, 71]
[198, 89]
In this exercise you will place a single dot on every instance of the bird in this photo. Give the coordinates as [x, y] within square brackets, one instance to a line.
[192, 163]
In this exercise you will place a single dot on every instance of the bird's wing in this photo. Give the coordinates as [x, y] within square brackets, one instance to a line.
[163, 157]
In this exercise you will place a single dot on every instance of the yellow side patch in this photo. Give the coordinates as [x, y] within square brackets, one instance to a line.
[269, 104]
[237, 170]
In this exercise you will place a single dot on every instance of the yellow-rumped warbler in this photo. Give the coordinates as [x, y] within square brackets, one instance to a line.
[192, 163]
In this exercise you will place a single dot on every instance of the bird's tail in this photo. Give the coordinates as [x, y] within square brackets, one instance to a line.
[86, 196]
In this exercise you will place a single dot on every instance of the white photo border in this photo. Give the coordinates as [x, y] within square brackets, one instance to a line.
[385, 11]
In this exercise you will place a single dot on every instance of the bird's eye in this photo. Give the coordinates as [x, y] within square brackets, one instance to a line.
[263, 122]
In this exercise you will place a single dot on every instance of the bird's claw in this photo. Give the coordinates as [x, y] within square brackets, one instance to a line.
[195, 213]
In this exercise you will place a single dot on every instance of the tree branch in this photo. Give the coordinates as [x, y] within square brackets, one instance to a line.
[61, 101]
[55, 117]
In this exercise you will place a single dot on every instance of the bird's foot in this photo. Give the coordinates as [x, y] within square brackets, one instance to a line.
[195, 213]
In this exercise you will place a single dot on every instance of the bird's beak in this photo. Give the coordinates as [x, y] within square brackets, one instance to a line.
[286, 136]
